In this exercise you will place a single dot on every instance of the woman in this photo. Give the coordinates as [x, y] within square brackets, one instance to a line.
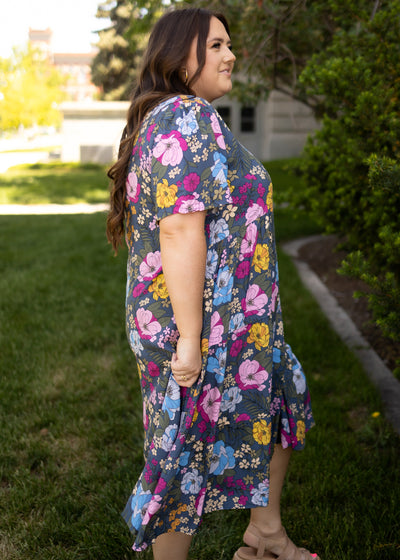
[222, 391]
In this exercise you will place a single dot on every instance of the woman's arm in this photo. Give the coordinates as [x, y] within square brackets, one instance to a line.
[183, 257]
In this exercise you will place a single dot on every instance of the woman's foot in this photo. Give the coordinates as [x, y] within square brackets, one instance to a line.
[274, 546]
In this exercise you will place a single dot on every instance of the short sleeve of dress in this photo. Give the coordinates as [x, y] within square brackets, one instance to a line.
[189, 159]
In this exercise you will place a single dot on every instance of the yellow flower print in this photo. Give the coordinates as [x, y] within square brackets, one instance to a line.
[195, 415]
[301, 431]
[269, 198]
[261, 257]
[204, 346]
[159, 287]
[166, 194]
[262, 432]
[259, 334]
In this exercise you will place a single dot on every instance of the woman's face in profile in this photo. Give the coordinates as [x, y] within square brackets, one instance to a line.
[215, 78]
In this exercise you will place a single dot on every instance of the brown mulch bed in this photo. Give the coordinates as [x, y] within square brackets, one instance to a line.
[323, 257]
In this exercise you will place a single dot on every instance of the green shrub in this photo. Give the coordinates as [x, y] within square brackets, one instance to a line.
[378, 264]
[350, 165]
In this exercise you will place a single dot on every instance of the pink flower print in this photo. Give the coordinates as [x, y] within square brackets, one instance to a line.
[251, 375]
[132, 187]
[274, 296]
[152, 508]
[161, 486]
[209, 403]
[200, 501]
[191, 181]
[153, 369]
[261, 202]
[217, 131]
[254, 212]
[139, 289]
[255, 301]
[260, 189]
[248, 242]
[216, 330]
[146, 324]
[188, 203]
[236, 348]
[243, 269]
[150, 132]
[243, 418]
[151, 266]
[202, 426]
[169, 148]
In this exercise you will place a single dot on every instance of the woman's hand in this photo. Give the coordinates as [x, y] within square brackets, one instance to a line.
[186, 362]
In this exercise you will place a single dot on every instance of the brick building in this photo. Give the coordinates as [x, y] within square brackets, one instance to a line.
[75, 66]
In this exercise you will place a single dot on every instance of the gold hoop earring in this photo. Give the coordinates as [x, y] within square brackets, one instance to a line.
[186, 77]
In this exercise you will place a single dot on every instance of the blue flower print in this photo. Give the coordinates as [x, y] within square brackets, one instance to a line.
[220, 170]
[168, 437]
[187, 124]
[139, 504]
[237, 322]
[172, 400]
[230, 398]
[134, 339]
[276, 355]
[211, 263]
[191, 482]
[218, 230]
[216, 364]
[223, 286]
[260, 495]
[184, 458]
[222, 458]
[299, 380]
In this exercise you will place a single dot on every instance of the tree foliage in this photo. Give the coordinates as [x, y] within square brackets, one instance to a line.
[114, 66]
[30, 90]
[274, 39]
[351, 165]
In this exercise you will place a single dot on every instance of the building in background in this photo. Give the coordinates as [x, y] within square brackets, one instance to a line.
[74, 66]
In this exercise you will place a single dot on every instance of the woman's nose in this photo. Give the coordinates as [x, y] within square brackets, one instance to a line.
[229, 56]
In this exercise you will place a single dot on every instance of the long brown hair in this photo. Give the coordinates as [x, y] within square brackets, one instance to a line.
[162, 76]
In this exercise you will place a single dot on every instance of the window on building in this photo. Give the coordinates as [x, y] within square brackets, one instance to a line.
[225, 113]
[247, 119]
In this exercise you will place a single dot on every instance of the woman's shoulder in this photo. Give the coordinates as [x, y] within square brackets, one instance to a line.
[179, 105]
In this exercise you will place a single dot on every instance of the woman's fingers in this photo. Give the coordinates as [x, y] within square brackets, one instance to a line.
[186, 362]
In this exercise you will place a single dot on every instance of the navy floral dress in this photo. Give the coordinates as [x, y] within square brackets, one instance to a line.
[208, 447]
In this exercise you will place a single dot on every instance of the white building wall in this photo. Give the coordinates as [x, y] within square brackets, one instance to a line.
[281, 128]
[92, 131]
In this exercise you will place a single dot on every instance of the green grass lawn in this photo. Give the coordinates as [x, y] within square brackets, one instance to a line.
[54, 183]
[70, 406]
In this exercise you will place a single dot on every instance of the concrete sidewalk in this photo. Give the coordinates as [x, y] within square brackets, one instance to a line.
[379, 374]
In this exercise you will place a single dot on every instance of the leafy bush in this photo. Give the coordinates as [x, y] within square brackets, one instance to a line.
[350, 167]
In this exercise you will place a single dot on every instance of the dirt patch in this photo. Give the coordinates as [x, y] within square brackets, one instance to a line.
[323, 257]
